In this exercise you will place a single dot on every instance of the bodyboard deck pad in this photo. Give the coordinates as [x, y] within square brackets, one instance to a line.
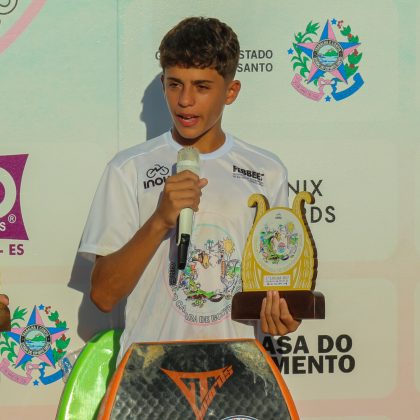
[233, 379]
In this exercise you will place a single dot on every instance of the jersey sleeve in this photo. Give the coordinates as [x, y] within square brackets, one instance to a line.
[114, 214]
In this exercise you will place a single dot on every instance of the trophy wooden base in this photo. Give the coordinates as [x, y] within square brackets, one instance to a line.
[303, 304]
[4, 318]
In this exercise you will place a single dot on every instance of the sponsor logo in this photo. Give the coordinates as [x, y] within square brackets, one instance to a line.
[156, 176]
[315, 213]
[248, 174]
[11, 220]
[251, 61]
[326, 67]
[15, 17]
[255, 61]
[39, 339]
[320, 355]
[200, 397]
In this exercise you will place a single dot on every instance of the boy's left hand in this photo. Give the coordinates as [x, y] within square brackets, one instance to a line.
[4, 299]
[275, 316]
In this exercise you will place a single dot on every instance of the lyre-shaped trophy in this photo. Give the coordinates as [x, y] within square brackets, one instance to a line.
[279, 254]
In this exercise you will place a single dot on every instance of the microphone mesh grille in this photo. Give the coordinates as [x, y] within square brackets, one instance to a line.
[188, 153]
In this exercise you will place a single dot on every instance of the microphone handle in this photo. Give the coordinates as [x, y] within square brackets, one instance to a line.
[186, 215]
[184, 236]
[188, 158]
[184, 243]
[185, 223]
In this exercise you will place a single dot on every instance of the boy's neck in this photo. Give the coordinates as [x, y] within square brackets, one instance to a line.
[206, 143]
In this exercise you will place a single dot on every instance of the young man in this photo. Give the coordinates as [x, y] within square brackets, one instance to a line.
[132, 223]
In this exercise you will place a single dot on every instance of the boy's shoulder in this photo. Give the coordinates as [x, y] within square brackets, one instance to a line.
[144, 150]
[258, 153]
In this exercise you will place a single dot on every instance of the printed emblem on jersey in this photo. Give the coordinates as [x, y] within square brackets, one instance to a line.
[248, 174]
[203, 290]
[155, 176]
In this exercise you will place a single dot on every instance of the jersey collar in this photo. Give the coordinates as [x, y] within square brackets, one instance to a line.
[222, 150]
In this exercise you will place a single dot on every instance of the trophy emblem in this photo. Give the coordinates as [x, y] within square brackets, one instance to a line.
[280, 254]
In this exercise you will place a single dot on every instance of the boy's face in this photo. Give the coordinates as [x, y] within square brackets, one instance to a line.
[196, 99]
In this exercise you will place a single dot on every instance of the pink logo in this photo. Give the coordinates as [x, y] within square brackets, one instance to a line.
[20, 25]
[11, 220]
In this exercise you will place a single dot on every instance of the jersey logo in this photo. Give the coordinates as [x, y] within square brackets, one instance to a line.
[248, 174]
[156, 176]
[196, 389]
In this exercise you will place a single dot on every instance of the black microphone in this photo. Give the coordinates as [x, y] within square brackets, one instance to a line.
[188, 158]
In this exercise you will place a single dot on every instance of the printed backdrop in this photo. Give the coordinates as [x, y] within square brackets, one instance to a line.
[331, 87]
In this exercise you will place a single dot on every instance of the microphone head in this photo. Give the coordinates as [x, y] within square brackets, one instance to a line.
[188, 158]
[188, 153]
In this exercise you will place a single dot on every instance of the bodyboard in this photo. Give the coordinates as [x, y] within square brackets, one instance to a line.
[226, 379]
[89, 377]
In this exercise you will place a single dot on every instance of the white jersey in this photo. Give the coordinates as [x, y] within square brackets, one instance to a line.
[195, 303]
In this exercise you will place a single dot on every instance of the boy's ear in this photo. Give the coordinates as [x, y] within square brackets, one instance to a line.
[233, 91]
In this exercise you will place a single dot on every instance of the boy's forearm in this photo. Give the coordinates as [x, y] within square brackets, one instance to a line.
[114, 276]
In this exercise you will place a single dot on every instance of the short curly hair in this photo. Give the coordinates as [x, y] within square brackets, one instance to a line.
[201, 42]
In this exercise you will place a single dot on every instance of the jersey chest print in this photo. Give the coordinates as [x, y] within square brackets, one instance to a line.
[203, 291]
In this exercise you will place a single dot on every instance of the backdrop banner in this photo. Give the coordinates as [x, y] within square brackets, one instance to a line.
[330, 87]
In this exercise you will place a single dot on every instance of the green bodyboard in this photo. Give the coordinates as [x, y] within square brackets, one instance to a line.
[89, 377]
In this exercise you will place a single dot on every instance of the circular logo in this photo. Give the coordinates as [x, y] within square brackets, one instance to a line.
[278, 240]
[328, 55]
[9, 192]
[35, 340]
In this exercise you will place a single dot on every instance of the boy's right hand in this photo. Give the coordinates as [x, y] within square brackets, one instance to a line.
[181, 191]
[115, 275]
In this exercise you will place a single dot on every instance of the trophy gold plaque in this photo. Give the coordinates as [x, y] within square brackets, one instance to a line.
[279, 254]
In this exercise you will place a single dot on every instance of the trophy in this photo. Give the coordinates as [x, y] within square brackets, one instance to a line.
[279, 254]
